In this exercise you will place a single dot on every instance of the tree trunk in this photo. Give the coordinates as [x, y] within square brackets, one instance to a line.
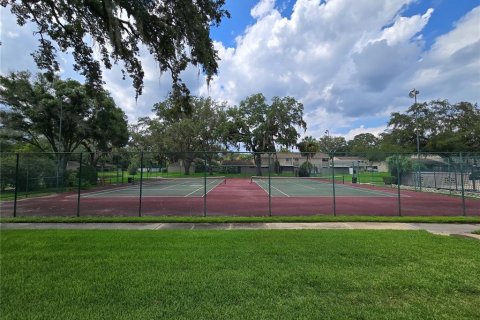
[186, 165]
[258, 163]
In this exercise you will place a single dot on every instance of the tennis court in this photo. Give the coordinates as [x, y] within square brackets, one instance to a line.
[162, 187]
[314, 187]
[217, 195]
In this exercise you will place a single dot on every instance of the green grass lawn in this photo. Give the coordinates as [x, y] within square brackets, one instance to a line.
[306, 274]
[238, 219]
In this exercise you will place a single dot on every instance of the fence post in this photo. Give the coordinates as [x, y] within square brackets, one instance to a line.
[79, 184]
[141, 185]
[269, 186]
[205, 186]
[398, 186]
[463, 185]
[16, 187]
[333, 185]
[26, 181]
[449, 177]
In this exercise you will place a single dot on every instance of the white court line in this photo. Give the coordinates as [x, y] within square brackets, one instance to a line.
[272, 187]
[94, 193]
[202, 187]
[369, 191]
[373, 191]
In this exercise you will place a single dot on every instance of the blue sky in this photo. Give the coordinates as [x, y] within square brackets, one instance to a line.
[351, 63]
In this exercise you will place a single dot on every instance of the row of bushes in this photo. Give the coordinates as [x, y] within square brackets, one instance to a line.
[42, 173]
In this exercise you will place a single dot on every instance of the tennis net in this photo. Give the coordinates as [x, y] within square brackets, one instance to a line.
[184, 181]
[297, 180]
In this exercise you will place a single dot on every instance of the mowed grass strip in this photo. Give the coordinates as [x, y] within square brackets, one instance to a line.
[307, 274]
[239, 219]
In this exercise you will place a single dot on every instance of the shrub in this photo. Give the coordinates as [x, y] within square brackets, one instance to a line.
[89, 174]
[199, 166]
[390, 180]
[305, 169]
[132, 169]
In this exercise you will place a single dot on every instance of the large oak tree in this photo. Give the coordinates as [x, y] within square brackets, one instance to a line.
[442, 127]
[259, 126]
[175, 33]
[59, 116]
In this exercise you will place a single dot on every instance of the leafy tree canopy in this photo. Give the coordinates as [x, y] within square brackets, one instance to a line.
[329, 144]
[182, 134]
[441, 126]
[36, 108]
[308, 146]
[260, 126]
[175, 32]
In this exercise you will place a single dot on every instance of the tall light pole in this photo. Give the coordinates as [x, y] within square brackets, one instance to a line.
[60, 150]
[65, 100]
[413, 94]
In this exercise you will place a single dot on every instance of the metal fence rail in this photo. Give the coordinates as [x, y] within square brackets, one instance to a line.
[238, 183]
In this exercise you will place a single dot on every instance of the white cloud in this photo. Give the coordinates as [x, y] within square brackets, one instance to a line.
[262, 8]
[465, 33]
[405, 28]
[376, 131]
[350, 63]
[345, 60]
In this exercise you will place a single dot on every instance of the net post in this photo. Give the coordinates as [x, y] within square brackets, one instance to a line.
[141, 185]
[398, 185]
[16, 186]
[205, 186]
[269, 187]
[333, 184]
[79, 186]
[464, 211]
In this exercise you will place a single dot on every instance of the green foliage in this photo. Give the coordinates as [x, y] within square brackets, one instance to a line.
[199, 166]
[36, 108]
[259, 126]
[308, 146]
[442, 127]
[175, 33]
[329, 144]
[89, 174]
[389, 180]
[399, 165]
[305, 169]
[34, 172]
[182, 131]
[132, 169]
[366, 145]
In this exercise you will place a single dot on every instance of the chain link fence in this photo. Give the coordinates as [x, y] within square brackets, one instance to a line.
[238, 183]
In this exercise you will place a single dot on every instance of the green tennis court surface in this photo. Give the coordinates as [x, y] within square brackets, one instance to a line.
[163, 187]
[314, 187]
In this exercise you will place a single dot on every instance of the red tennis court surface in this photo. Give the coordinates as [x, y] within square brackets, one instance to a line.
[239, 197]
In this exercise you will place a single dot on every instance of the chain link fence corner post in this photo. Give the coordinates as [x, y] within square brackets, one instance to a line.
[79, 185]
[398, 185]
[16, 186]
[141, 185]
